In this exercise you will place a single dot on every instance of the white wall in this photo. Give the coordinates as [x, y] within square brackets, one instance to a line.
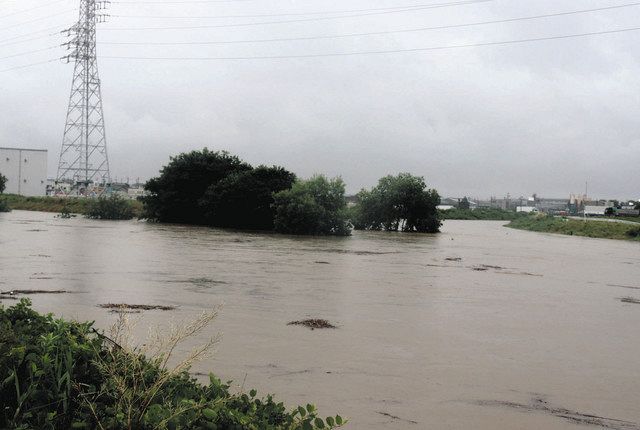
[25, 169]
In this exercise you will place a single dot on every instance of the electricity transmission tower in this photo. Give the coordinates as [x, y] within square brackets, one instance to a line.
[83, 157]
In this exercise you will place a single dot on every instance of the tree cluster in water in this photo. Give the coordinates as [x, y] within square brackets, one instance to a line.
[218, 189]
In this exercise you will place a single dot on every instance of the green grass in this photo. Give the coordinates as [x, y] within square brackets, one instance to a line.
[56, 204]
[574, 227]
[481, 214]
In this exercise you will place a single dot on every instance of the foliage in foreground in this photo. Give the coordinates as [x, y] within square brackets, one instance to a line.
[315, 207]
[113, 207]
[401, 202]
[56, 374]
[574, 227]
[481, 214]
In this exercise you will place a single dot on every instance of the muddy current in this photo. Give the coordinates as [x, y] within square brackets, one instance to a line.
[479, 327]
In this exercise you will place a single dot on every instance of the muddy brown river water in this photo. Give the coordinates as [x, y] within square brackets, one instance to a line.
[479, 327]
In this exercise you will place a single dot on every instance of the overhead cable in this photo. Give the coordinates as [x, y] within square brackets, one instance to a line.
[389, 51]
[272, 15]
[49, 3]
[434, 6]
[376, 33]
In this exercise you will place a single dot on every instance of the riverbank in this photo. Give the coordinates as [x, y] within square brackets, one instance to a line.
[573, 227]
[480, 214]
[72, 205]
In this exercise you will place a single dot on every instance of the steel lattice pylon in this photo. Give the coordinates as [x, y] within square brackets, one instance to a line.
[83, 157]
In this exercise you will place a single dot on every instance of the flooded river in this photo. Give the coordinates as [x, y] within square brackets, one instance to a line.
[480, 327]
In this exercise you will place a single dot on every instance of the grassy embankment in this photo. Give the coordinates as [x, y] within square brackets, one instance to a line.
[56, 204]
[574, 227]
[481, 214]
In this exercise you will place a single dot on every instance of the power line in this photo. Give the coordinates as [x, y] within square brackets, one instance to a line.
[390, 51]
[24, 66]
[180, 1]
[26, 40]
[42, 18]
[32, 33]
[32, 8]
[434, 6]
[374, 33]
[278, 14]
[20, 54]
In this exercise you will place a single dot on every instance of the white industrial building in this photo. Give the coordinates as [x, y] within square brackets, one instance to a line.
[25, 169]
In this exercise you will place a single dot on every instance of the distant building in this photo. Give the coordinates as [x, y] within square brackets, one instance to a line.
[526, 209]
[595, 210]
[25, 169]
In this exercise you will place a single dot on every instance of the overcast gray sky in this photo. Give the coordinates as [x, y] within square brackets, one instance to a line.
[521, 118]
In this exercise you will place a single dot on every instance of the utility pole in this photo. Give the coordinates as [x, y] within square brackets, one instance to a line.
[83, 157]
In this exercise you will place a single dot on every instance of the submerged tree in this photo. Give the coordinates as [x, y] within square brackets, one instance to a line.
[401, 202]
[175, 196]
[244, 199]
[315, 207]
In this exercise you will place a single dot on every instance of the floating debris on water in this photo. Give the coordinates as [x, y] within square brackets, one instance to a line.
[23, 292]
[630, 300]
[538, 404]
[125, 307]
[396, 418]
[313, 323]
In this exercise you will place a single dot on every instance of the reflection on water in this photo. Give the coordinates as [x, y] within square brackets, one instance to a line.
[471, 328]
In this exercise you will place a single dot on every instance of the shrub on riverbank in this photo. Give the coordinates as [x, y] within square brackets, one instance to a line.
[574, 227]
[401, 202]
[57, 374]
[113, 207]
[3, 204]
[76, 205]
[314, 207]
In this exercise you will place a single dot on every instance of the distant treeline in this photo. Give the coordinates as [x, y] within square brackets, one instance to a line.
[218, 189]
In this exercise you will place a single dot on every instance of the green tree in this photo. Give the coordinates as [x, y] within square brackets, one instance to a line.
[245, 200]
[315, 207]
[175, 196]
[401, 202]
[464, 204]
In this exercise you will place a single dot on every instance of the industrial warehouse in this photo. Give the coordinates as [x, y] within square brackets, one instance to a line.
[25, 170]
